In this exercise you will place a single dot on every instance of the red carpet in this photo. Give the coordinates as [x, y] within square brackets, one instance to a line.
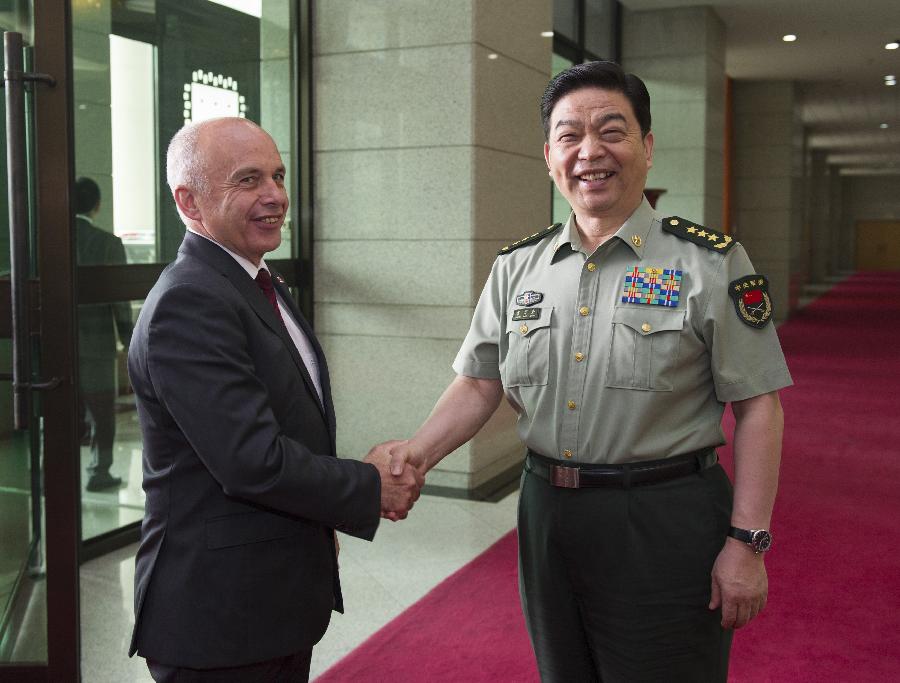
[834, 571]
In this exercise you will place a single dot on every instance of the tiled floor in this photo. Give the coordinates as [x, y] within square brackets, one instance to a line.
[380, 580]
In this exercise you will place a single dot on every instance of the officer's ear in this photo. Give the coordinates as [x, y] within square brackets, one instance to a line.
[648, 149]
[547, 155]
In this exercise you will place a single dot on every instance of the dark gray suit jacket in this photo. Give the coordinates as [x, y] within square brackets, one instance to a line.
[236, 562]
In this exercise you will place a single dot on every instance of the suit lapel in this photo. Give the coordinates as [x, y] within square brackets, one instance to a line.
[217, 257]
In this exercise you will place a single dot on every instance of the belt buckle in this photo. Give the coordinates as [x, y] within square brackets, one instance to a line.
[564, 477]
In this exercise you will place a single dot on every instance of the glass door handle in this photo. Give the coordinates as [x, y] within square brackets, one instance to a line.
[14, 79]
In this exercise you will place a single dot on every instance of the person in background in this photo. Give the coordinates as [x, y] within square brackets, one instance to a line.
[100, 327]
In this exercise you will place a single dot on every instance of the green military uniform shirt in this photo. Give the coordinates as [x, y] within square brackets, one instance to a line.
[597, 374]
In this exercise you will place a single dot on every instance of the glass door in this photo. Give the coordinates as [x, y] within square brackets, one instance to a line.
[38, 478]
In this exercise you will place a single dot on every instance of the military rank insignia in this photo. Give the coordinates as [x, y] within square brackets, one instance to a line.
[653, 286]
[751, 299]
[527, 314]
[696, 233]
[529, 298]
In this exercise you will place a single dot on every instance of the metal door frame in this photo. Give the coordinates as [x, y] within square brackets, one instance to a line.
[54, 177]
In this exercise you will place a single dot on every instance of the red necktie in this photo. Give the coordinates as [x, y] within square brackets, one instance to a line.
[264, 280]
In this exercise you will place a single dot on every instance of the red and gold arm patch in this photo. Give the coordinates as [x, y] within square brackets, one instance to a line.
[751, 299]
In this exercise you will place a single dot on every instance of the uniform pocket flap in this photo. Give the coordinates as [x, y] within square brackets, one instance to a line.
[646, 320]
[251, 527]
[524, 321]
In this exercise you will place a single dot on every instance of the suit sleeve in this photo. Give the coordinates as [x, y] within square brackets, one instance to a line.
[203, 374]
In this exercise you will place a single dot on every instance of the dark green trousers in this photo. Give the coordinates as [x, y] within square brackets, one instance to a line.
[615, 583]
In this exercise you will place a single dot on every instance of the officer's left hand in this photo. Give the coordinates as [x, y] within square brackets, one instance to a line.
[739, 584]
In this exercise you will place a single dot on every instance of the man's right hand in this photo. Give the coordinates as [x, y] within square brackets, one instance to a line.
[398, 491]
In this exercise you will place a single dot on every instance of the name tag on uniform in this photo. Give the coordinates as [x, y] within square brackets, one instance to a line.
[527, 314]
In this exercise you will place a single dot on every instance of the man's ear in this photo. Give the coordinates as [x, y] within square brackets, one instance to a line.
[186, 200]
[648, 149]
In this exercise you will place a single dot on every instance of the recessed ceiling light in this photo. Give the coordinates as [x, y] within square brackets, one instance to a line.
[789, 38]
[546, 34]
[890, 83]
[883, 125]
[893, 45]
[493, 55]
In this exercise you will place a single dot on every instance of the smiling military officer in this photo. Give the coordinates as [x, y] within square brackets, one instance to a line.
[619, 337]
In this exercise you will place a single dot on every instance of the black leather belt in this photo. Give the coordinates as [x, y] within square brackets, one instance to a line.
[619, 476]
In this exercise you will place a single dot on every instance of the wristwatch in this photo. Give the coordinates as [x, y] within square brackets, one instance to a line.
[760, 540]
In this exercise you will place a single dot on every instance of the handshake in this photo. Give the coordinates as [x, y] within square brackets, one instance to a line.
[402, 472]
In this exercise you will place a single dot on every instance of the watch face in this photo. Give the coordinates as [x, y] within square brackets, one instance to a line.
[761, 540]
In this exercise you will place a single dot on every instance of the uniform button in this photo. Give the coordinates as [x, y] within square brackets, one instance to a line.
[524, 328]
[592, 267]
[584, 310]
[567, 454]
[579, 356]
[571, 405]
[645, 327]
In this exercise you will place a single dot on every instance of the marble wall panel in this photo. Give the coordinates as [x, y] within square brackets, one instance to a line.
[394, 98]
[513, 28]
[511, 195]
[506, 104]
[393, 272]
[682, 79]
[419, 193]
[678, 125]
[671, 32]
[762, 161]
[352, 26]
[384, 387]
[394, 320]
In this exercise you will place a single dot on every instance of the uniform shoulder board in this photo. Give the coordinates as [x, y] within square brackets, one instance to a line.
[696, 233]
[531, 239]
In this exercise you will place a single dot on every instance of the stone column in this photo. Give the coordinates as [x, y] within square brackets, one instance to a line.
[680, 56]
[768, 180]
[428, 158]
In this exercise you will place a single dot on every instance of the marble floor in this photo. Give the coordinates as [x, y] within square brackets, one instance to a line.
[380, 580]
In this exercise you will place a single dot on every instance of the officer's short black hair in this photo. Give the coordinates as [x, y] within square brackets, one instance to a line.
[87, 195]
[605, 75]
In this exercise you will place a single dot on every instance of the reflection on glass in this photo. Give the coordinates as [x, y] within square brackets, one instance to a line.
[100, 328]
[111, 443]
[141, 69]
[561, 208]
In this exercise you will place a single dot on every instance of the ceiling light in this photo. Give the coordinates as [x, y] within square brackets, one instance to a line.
[789, 38]
[546, 34]
[493, 55]
[883, 125]
[893, 45]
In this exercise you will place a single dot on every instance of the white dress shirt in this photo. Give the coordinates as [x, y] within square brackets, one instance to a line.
[304, 348]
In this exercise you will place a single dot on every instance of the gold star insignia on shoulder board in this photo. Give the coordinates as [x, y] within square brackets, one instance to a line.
[692, 232]
[531, 239]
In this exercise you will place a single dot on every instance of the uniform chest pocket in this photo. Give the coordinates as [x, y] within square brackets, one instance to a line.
[527, 361]
[644, 349]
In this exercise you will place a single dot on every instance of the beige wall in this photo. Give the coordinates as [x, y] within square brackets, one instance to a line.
[768, 180]
[680, 56]
[428, 158]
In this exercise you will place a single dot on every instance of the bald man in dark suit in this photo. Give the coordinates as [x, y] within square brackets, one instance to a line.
[237, 574]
